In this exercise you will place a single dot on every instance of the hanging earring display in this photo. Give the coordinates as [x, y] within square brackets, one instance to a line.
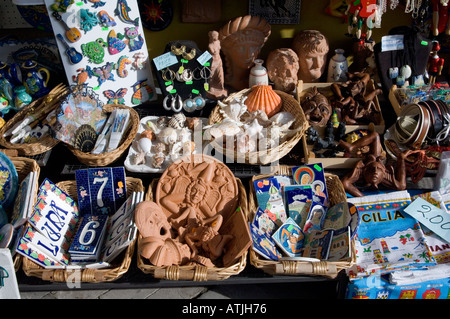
[168, 75]
[205, 73]
[176, 103]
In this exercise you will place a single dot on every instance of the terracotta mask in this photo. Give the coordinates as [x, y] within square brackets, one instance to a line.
[282, 68]
[316, 107]
[312, 48]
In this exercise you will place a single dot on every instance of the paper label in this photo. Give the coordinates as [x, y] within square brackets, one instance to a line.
[165, 60]
[392, 43]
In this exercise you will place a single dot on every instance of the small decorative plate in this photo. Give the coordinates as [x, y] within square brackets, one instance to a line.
[9, 181]
[6, 234]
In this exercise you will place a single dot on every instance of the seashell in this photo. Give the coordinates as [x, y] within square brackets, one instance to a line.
[177, 121]
[192, 122]
[184, 135]
[234, 109]
[158, 160]
[227, 128]
[148, 134]
[160, 147]
[138, 158]
[260, 115]
[188, 147]
[162, 122]
[84, 138]
[283, 119]
[245, 143]
[145, 144]
[253, 129]
[168, 135]
[263, 97]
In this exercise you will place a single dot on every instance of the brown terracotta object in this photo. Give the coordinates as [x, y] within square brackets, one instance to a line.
[241, 40]
[282, 68]
[263, 97]
[316, 107]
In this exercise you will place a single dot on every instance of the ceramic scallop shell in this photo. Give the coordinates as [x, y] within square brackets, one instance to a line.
[263, 97]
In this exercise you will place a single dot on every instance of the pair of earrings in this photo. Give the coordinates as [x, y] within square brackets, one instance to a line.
[176, 103]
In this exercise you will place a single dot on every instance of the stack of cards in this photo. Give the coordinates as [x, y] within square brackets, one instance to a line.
[23, 205]
[100, 190]
[53, 223]
[88, 241]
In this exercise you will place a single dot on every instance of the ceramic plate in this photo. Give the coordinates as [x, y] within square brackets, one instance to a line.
[9, 181]
[6, 234]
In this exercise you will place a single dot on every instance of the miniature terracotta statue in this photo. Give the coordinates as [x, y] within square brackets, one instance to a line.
[435, 63]
[241, 40]
[356, 103]
[205, 241]
[282, 68]
[312, 48]
[194, 188]
[157, 244]
[316, 107]
[216, 82]
[371, 171]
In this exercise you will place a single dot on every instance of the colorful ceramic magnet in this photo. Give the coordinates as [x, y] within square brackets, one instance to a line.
[142, 92]
[122, 11]
[94, 50]
[105, 19]
[88, 20]
[116, 43]
[139, 61]
[121, 66]
[116, 97]
[72, 53]
[104, 73]
[135, 39]
[96, 3]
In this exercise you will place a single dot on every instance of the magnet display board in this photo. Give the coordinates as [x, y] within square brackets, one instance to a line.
[110, 54]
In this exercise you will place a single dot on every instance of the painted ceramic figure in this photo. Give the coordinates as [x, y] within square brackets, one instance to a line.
[435, 63]
[35, 79]
[282, 68]
[312, 48]
[22, 98]
[316, 107]
[241, 40]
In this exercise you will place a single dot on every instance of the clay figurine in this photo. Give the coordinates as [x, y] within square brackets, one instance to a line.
[371, 171]
[216, 82]
[241, 40]
[316, 107]
[282, 68]
[312, 48]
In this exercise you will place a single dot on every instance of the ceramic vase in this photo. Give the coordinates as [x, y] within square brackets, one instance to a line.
[258, 74]
[337, 67]
[22, 98]
[35, 79]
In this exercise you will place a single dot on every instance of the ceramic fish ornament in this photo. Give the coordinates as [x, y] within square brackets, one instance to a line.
[122, 11]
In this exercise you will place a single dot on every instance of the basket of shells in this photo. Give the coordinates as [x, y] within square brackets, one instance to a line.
[258, 125]
[161, 140]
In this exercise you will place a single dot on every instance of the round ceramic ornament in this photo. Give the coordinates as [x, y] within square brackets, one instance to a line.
[198, 186]
[6, 234]
[155, 15]
[9, 181]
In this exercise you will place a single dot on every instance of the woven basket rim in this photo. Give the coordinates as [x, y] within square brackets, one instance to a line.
[268, 266]
[104, 159]
[201, 273]
[88, 275]
[272, 154]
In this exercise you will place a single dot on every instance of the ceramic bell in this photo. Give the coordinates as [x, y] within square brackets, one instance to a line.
[35, 79]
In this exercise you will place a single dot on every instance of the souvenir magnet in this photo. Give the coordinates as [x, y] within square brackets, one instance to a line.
[88, 20]
[97, 3]
[135, 41]
[104, 73]
[94, 50]
[121, 66]
[122, 11]
[116, 43]
[105, 19]
[115, 97]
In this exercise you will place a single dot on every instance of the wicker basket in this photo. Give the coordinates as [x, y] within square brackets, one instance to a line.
[194, 272]
[120, 265]
[336, 194]
[45, 143]
[105, 159]
[291, 105]
[24, 166]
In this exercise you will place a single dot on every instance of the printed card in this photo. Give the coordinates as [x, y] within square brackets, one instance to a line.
[268, 194]
[340, 245]
[289, 237]
[263, 244]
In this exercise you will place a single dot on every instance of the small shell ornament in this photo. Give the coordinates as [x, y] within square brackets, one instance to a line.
[177, 121]
[168, 135]
[253, 129]
[158, 160]
[234, 109]
[227, 128]
[283, 119]
[145, 145]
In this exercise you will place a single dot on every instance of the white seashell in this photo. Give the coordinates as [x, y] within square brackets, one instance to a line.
[158, 160]
[283, 119]
[188, 147]
[160, 147]
[138, 158]
[225, 128]
[233, 110]
[177, 121]
[145, 144]
[162, 122]
[184, 135]
[245, 143]
[253, 129]
[168, 135]
[259, 115]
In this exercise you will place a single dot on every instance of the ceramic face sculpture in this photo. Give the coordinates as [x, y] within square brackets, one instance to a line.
[316, 107]
[241, 41]
[282, 68]
[195, 188]
[312, 48]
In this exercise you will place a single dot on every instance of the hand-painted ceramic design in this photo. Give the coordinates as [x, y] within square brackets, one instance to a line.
[9, 181]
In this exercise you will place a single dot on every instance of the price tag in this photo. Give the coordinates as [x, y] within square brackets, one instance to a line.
[204, 58]
[165, 60]
[430, 216]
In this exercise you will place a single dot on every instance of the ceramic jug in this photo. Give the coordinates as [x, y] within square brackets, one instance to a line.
[22, 98]
[338, 67]
[258, 74]
[35, 79]
[11, 72]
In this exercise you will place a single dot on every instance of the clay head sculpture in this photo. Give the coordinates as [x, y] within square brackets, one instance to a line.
[312, 48]
[282, 68]
[316, 107]
[241, 40]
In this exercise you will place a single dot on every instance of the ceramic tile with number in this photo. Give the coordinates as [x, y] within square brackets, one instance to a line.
[87, 243]
[100, 190]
